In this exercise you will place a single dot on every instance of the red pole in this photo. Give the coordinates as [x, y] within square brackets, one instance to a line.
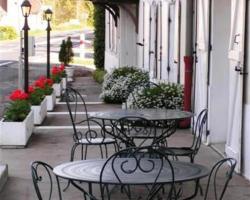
[188, 60]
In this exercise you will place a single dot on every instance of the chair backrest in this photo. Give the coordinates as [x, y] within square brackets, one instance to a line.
[219, 178]
[79, 116]
[199, 129]
[42, 175]
[132, 166]
[135, 131]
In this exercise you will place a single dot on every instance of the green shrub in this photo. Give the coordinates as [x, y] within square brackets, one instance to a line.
[98, 75]
[168, 96]
[7, 33]
[99, 40]
[121, 82]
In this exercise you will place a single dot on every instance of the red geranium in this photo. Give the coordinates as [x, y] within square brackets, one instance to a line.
[62, 67]
[40, 83]
[55, 70]
[18, 95]
[31, 89]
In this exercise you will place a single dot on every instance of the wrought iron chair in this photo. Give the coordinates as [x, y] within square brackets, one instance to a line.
[40, 172]
[226, 168]
[191, 151]
[128, 166]
[91, 136]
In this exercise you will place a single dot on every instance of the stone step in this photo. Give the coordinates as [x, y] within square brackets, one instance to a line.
[3, 175]
[94, 107]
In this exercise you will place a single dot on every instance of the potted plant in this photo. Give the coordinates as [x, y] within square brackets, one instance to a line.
[17, 124]
[66, 55]
[64, 76]
[56, 76]
[38, 103]
[46, 85]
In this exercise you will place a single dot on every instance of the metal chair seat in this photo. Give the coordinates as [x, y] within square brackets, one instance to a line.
[96, 141]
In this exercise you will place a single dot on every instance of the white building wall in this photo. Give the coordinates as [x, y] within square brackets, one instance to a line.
[246, 126]
[128, 51]
[112, 50]
[120, 41]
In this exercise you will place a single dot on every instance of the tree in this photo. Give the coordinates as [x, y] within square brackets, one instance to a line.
[66, 52]
[99, 41]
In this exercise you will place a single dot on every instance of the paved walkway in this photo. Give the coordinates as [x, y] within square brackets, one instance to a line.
[52, 142]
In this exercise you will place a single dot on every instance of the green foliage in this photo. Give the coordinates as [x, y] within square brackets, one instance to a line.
[65, 10]
[66, 53]
[98, 75]
[121, 82]
[7, 33]
[36, 97]
[47, 90]
[99, 40]
[17, 110]
[168, 96]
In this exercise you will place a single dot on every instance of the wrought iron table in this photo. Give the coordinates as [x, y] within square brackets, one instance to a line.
[150, 114]
[165, 123]
[89, 171]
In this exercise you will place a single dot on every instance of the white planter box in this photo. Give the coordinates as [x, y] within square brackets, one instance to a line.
[16, 134]
[64, 83]
[40, 112]
[57, 88]
[70, 73]
[51, 101]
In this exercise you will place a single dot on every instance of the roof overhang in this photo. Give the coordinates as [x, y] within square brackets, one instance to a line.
[112, 6]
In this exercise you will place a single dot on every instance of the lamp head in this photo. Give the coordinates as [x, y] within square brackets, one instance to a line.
[48, 14]
[26, 7]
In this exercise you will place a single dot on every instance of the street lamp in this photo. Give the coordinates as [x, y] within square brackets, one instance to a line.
[26, 7]
[48, 15]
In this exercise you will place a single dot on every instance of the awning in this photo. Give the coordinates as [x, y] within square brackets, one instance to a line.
[112, 6]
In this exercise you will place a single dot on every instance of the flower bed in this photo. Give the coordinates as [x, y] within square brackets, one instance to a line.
[164, 95]
[18, 122]
[121, 82]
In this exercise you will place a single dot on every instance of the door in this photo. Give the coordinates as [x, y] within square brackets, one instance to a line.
[201, 67]
[236, 60]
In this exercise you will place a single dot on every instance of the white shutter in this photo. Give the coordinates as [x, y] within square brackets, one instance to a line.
[236, 59]
[177, 31]
[202, 32]
[165, 35]
[152, 40]
[201, 69]
[146, 34]
[140, 40]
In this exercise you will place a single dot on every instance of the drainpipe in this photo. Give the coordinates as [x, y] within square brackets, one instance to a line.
[188, 60]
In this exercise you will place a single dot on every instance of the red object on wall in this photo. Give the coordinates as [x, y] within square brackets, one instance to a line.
[188, 60]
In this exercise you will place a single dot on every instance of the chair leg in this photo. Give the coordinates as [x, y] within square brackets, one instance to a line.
[73, 152]
[106, 151]
[86, 151]
[100, 146]
[82, 152]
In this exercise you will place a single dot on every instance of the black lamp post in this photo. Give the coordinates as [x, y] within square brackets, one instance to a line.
[48, 15]
[26, 7]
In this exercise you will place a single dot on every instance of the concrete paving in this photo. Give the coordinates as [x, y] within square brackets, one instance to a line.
[52, 143]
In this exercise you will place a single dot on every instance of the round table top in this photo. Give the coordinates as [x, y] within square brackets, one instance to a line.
[89, 171]
[149, 114]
